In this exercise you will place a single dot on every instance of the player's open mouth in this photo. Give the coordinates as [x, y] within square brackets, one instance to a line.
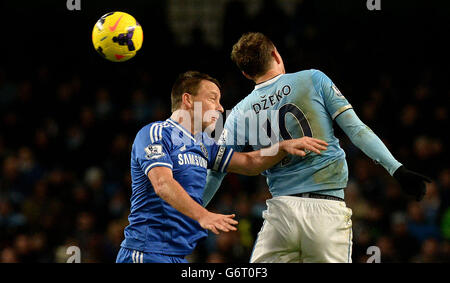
[214, 118]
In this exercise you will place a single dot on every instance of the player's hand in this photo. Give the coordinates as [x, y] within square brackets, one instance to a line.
[218, 222]
[302, 145]
[411, 182]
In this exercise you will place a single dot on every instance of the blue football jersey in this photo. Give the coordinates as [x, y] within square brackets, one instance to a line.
[291, 106]
[154, 225]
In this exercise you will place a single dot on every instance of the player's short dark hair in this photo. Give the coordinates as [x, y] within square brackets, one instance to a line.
[253, 53]
[188, 82]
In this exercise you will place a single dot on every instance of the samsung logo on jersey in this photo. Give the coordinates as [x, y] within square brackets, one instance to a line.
[265, 103]
[192, 159]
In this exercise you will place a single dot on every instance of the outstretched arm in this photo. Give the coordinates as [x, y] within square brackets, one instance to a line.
[362, 136]
[173, 193]
[255, 162]
[365, 139]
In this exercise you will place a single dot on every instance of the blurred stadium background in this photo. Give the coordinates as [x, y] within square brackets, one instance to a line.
[68, 117]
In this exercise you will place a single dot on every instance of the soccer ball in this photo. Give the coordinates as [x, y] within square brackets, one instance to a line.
[117, 36]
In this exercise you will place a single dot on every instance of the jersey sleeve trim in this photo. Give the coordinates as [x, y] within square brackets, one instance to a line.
[340, 110]
[155, 133]
[227, 160]
[157, 164]
[219, 157]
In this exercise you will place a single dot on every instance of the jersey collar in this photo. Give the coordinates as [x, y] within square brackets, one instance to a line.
[181, 128]
[268, 82]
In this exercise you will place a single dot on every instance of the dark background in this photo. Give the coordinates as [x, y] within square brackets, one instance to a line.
[68, 119]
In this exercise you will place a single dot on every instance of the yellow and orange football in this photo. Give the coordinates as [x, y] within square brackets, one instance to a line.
[117, 36]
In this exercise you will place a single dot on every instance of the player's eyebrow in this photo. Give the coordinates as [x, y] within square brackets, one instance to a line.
[215, 93]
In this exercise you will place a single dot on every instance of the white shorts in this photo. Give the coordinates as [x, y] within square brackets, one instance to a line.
[298, 229]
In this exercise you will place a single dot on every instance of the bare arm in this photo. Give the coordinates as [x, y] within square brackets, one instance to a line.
[173, 193]
[255, 162]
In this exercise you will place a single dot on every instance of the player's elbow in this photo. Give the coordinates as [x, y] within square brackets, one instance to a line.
[361, 135]
[160, 185]
[248, 165]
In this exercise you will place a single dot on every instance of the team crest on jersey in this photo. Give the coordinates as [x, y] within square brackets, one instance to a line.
[154, 151]
[204, 150]
[223, 137]
[337, 91]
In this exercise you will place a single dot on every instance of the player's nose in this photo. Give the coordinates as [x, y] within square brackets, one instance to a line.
[220, 108]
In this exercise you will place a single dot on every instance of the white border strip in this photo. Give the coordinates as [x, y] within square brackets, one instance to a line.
[155, 164]
[152, 140]
[340, 110]
[226, 160]
[266, 83]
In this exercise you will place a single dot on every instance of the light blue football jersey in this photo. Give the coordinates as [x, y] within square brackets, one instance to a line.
[292, 106]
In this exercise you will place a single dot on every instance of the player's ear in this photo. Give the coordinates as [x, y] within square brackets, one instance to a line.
[186, 99]
[247, 76]
[276, 55]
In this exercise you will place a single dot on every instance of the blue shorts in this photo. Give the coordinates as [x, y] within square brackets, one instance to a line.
[132, 256]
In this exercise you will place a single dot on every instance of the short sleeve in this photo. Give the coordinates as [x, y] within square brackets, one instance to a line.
[219, 156]
[152, 148]
[335, 102]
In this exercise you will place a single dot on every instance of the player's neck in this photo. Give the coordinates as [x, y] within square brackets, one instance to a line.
[185, 122]
[272, 73]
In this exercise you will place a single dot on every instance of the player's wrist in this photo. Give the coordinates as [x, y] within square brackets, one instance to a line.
[399, 172]
[283, 145]
[200, 213]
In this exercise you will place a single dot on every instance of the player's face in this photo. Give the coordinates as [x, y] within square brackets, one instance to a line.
[208, 95]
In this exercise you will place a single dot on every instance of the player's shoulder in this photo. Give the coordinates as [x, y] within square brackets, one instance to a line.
[316, 77]
[301, 73]
[302, 77]
[155, 131]
[313, 74]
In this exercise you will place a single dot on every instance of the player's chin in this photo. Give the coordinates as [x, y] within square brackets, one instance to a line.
[211, 125]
